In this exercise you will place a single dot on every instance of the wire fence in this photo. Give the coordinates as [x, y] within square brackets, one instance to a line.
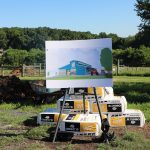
[137, 71]
[38, 70]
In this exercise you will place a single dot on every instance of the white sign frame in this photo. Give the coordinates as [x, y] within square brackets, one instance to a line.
[56, 52]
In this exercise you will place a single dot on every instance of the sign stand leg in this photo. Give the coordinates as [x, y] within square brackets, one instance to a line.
[60, 114]
[99, 110]
[84, 103]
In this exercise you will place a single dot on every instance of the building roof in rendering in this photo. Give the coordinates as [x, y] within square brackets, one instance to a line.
[80, 62]
[67, 67]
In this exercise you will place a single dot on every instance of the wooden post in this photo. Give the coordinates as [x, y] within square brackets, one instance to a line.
[22, 71]
[40, 70]
[118, 63]
[2, 70]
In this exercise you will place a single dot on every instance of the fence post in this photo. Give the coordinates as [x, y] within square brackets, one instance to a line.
[23, 70]
[40, 70]
[2, 70]
[118, 63]
[44, 69]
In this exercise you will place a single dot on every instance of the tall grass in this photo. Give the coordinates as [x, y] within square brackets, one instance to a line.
[137, 95]
[130, 141]
[133, 71]
[134, 92]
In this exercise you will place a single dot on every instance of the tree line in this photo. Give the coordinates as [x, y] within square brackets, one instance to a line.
[28, 38]
[26, 45]
[17, 57]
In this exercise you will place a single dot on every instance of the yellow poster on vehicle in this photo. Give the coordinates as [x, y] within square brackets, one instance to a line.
[99, 91]
[78, 104]
[57, 115]
[117, 121]
[102, 106]
[87, 127]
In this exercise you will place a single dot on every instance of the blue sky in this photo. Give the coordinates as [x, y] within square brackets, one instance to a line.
[110, 16]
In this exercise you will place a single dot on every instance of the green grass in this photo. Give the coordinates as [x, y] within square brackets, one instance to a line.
[129, 79]
[25, 108]
[65, 147]
[116, 79]
[33, 78]
[8, 140]
[35, 146]
[133, 71]
[130, 141]
[38, 132]
[16, 115]
[137, 95]
[134, 91]
[6, 72]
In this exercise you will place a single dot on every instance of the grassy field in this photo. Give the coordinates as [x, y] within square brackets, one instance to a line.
[18, 129]
[116, 79]
[133, 71]
[130, 79]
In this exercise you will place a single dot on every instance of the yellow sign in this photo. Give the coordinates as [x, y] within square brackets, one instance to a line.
[76, 117]
[99, 91]
[57, 115]
[117, 121]
[87, 127]
[102, 106]
[78, 104]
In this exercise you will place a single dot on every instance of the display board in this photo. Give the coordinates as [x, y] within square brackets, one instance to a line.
[79, 63]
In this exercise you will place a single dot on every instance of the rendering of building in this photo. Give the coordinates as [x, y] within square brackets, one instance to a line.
[77, 68]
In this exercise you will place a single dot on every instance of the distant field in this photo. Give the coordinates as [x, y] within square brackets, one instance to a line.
[133, 71]
[115, 78]
[131, 79]
[32, 78]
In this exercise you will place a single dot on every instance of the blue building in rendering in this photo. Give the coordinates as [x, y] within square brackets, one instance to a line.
[75, 68]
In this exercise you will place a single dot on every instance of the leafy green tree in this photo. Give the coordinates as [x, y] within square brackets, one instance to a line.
[15, 57]
[102, 35]
[15, 38]
[146, 52]
[106, 59]
[117, 54]
[3, 39]
[143, 11]
[35, 56]
[133, 57]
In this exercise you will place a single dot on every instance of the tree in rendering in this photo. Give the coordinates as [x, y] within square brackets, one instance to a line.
[106, 59]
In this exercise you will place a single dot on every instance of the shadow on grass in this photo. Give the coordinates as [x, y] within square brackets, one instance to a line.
[31, 122]
[134, 92]
[9, 134]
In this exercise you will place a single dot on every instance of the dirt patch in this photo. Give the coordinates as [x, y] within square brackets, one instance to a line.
[120, 131]
[76, 143]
